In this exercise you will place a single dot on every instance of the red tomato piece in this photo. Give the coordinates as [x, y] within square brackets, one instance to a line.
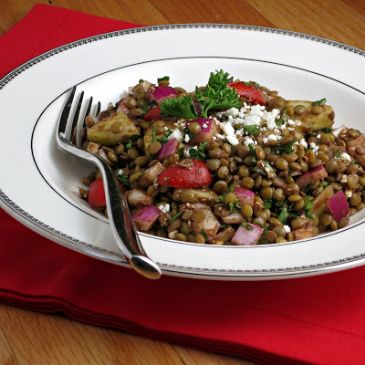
[153, 114]
[195, 176]
[249, 92]
[96, 194]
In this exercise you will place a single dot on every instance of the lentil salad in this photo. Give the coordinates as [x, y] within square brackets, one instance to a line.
[230, 163]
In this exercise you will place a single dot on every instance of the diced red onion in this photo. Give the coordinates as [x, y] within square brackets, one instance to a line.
[168, 148]
[162, 92]
[245, 196]
[338, 206]
[248, 235]
[145, 217]
[315, 174]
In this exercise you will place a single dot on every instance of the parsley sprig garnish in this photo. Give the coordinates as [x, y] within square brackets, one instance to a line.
[216, 95]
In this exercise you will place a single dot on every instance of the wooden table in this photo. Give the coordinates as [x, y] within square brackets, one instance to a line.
[32, 338]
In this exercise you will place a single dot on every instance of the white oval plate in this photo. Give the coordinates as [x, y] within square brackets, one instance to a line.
[39, 183]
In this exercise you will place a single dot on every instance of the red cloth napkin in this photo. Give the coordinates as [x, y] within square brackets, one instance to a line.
[317, 320]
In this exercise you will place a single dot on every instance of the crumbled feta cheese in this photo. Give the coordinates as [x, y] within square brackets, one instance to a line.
[348, 193]
[345, 156]
[120, 172]
[165, 207]
[314, 147]
[220, 136]
[270, 118]
[186, 138]
[230, 133]
[318, 136]
[304, 143]
[286, 228]
[343, 179]
[248, 140]
[176, 133]
[291, 122]
[271, 137]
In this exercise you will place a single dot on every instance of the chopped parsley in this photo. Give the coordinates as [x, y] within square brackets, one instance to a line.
[163, 79]
[282, 149]
[284, 214]
[253, 129]
[251, 147]
[204, 234]
[247, 226]
[199, 153]
[234, 206]
[283, 119]
[175, 216]
[165, 138]
[320, 102]
[124, 179]
[268, 204]
[131, 141]
[327, 130]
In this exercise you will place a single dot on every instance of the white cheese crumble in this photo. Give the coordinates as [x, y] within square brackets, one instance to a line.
[120, 172]
[286, 228]
[343, 179]
[248, 140]
[270, 118]
[348, 193]
[314, 147]
[176, 133]
[271, 137]
[345, 156]
[165, 207]
[230, 133]
[304, 143]
[186, 138]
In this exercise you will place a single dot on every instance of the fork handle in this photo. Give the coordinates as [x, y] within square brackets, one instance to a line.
[122, 224]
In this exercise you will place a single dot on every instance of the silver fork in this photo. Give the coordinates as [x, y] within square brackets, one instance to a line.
[69, 139]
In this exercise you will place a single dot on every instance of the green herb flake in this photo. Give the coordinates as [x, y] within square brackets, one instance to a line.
[175, 216]
[165, 138]
[282, 149]
[220, 199]
[140, 81]
[320, 102]
[204, 234]
[283, 119]
[268, 204]
[251, 147]
[247, 226]
[253, 129]
[327, 130]
[234, 206]
[198, 153]
[131, 141]
[124, 180]
[283, 216]
[164, 78]
[180, 152]
[325, 184]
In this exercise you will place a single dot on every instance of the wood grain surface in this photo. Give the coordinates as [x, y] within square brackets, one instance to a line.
[33, 338]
